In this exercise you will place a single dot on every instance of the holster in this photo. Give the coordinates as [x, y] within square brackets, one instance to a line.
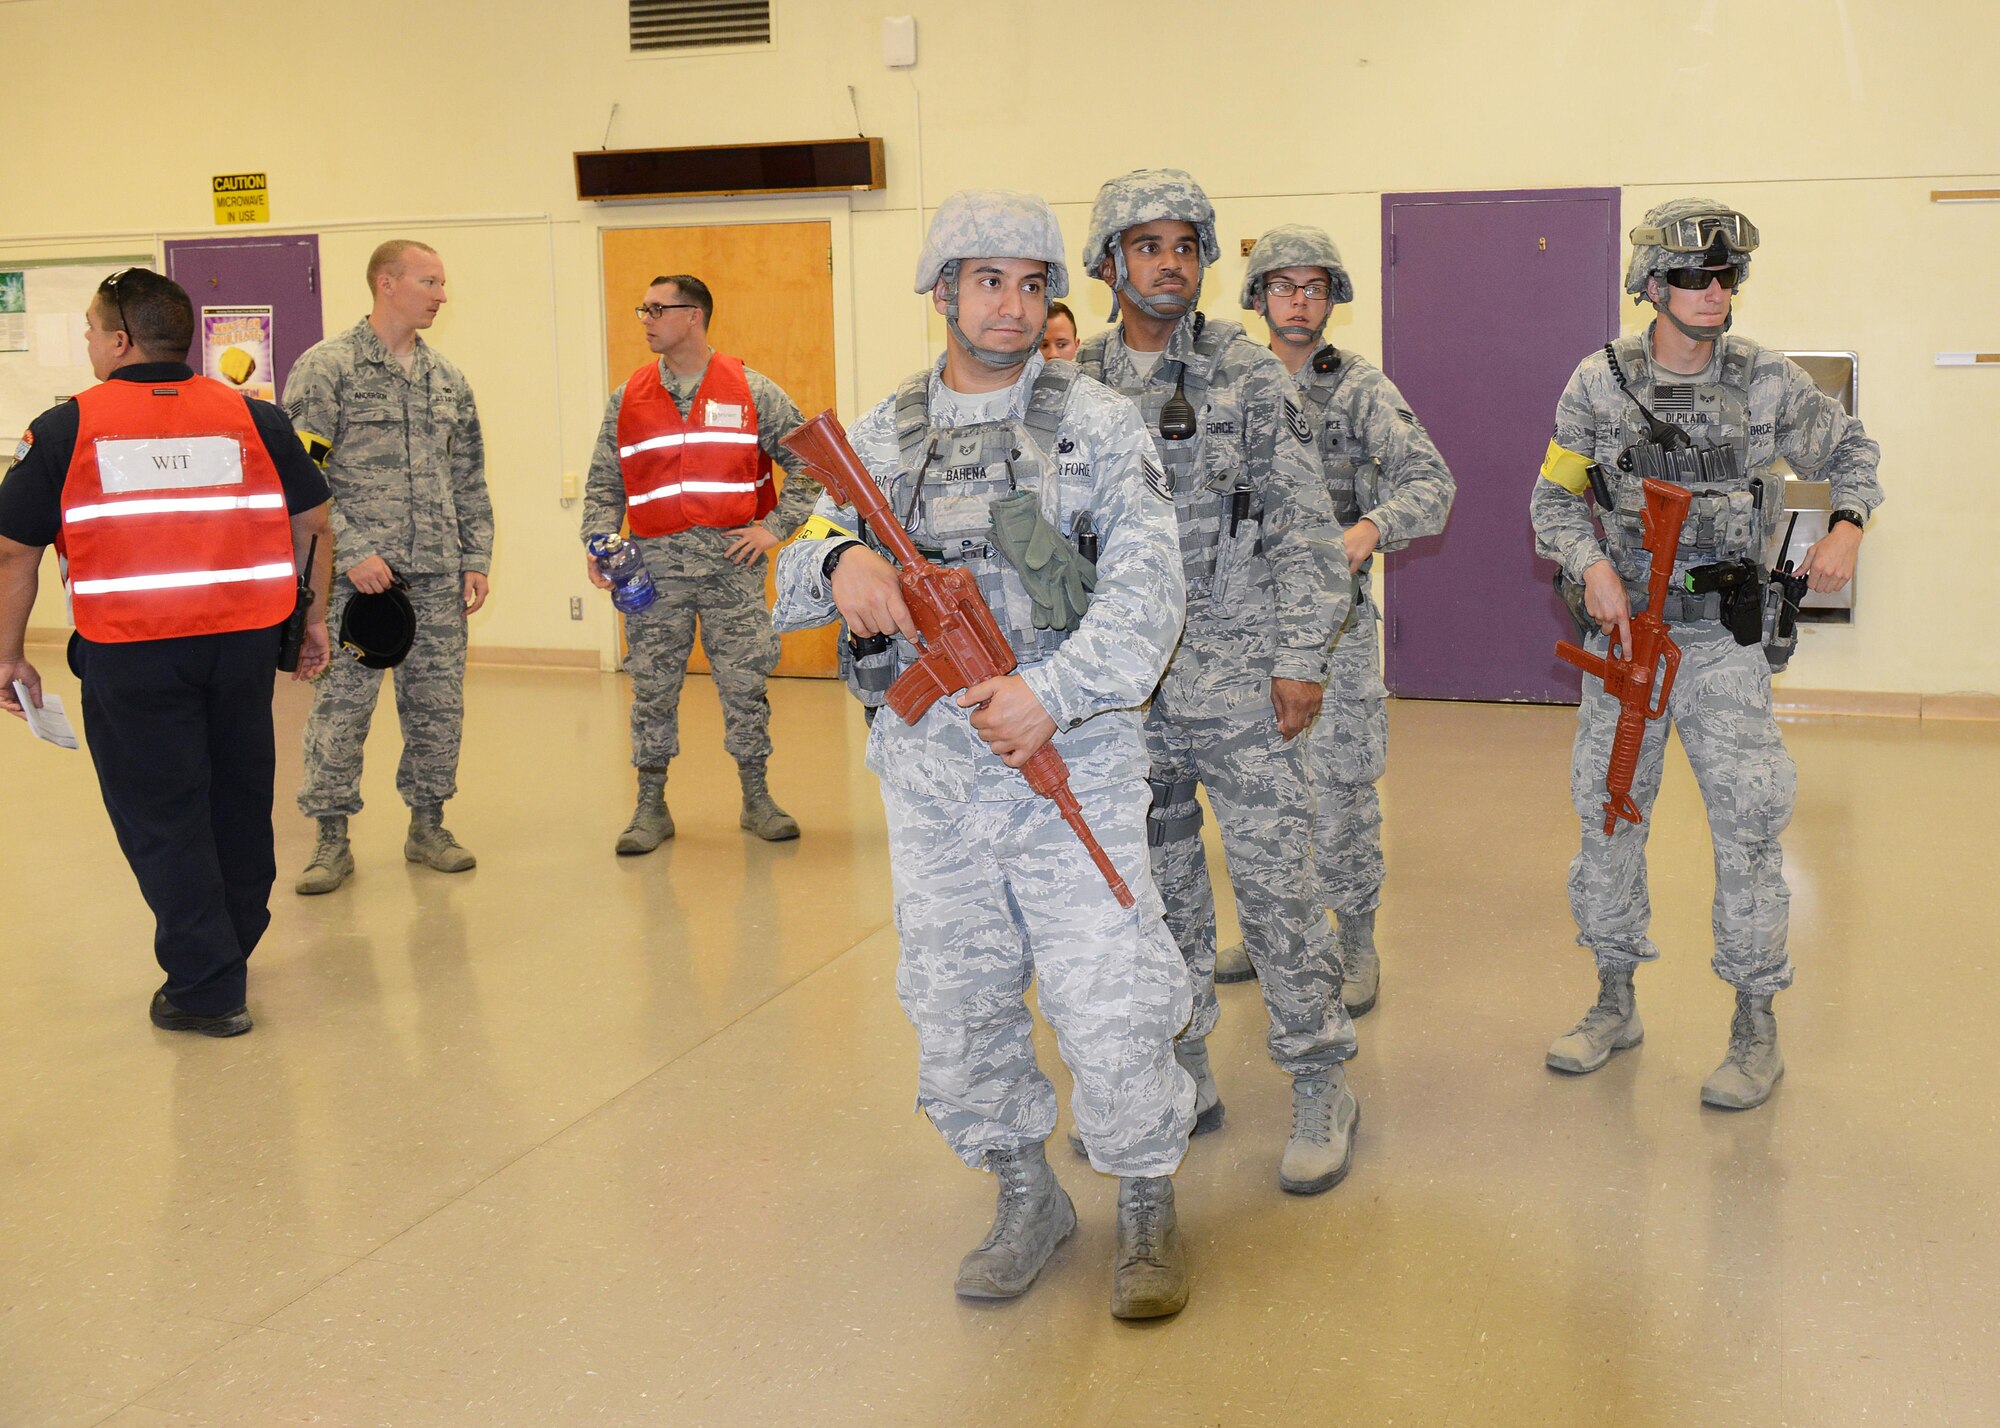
[1161, 829]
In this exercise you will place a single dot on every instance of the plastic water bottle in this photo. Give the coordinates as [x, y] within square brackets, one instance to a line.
[631, 587]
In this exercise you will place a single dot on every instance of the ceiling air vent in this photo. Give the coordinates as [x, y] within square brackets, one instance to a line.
[698, 24]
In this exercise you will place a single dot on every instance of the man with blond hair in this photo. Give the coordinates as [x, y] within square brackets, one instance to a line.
[394, 426]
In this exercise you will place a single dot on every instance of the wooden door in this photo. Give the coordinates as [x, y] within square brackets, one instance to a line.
[773, 287]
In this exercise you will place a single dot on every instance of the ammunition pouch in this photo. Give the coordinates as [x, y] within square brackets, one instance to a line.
[1683, 466]
[1161, 829]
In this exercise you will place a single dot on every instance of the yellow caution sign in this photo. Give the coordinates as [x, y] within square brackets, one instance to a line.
[241, 198]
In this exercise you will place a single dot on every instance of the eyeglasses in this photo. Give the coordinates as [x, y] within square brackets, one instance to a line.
[1285, 287]
[661, 309]
[1696, 234]
[1698, 279]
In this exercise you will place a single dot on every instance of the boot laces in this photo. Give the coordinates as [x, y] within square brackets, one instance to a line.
[1606, 1016]
[1746, 1039]
[326, 852]
[1146, 1230]
[1312, 1113]
[1016, 1190]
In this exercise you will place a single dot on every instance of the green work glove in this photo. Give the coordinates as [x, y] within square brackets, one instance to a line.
[1058, 579]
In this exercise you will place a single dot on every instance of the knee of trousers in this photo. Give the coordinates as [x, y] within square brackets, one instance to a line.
[1762, 797]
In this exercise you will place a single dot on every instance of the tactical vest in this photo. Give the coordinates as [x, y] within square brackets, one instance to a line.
[1725, 519]
[1209, 498]
[1353, 475]
[174, 519]
[945, 483]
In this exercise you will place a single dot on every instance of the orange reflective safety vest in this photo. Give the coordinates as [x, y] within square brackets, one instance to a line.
[702, 470]
[173, 515]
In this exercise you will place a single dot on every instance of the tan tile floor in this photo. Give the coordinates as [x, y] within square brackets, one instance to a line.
[580, 1139]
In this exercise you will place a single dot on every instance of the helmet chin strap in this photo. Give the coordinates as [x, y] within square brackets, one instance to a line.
[1162, 309]
[1292, 332]
[992, 357]
[1696, 333]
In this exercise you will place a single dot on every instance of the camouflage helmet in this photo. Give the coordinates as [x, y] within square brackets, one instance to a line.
[1294, 245]
[993, 223]
[1688, 233]
[1142, 196]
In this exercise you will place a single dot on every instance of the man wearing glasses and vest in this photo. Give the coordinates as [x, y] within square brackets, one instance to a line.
[182, 511]
[685, 456]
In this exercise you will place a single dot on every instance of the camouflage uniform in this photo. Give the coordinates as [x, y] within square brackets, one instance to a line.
[1760, 405]
[1380, 465]
[407, 471]
[1260, 552]
[991, 886]
[694, 578]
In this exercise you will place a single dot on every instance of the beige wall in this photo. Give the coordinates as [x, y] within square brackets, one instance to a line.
[1828, 120]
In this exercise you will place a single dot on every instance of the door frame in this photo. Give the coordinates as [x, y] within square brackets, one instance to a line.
[831, 210]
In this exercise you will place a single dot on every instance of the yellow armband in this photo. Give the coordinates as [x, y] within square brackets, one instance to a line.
[820, 528]
[317, 447]
[1567, 469]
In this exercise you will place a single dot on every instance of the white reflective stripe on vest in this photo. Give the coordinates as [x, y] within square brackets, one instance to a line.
[182, 579]
[679, 486]
[690, 438]
[171, 505]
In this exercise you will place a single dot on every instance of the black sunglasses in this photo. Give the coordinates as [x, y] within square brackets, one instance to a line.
[111, 286]
[1698, 279]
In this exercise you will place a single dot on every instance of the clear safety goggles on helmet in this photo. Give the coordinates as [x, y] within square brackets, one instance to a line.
[1698, 233]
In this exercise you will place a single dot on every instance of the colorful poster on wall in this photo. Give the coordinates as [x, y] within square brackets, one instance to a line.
[13, 310]
[236, 349]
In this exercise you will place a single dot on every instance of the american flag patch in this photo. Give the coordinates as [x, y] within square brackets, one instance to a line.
[1676, 398]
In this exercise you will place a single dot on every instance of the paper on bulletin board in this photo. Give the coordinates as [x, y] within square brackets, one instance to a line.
[56, 362]
[13, 310]
[236, 349]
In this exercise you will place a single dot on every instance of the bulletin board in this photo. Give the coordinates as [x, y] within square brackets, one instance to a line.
[42, 359]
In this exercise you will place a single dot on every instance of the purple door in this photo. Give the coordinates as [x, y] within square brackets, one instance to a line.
[1489, 302]
[279, 272]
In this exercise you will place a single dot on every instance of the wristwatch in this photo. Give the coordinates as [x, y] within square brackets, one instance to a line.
[833, 558]
[1853, 518]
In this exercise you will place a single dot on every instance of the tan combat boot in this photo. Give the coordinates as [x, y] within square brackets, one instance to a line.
[1033, 1216]
[431, 843]
[1360, 967]
[651, 824]
[1321, 1147]
[761, 815]
[1149, 1277]
[1752, 1068]
[1611, 1025]
[332, 860]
